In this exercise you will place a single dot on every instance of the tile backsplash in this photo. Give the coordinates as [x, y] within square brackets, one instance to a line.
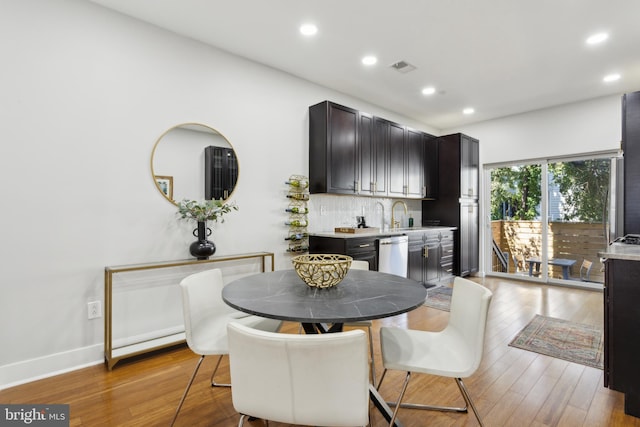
[327, 211]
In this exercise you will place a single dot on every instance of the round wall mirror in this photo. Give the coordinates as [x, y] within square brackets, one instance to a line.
[193, 161]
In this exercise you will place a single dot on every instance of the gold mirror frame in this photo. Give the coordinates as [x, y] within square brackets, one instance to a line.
[164, 182]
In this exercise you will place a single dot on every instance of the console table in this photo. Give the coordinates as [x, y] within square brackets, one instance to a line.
[114, 354]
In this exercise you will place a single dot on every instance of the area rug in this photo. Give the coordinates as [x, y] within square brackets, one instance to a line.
[575, 342]
[439, 298]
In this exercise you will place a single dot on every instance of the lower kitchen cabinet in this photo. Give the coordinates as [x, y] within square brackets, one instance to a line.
[621, 331]
[431, 256]
[359, 248]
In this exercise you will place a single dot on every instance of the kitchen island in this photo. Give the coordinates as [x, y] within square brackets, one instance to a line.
[622, 323]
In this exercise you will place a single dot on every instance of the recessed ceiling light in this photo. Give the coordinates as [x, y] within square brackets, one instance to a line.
[468, 111]
[597, 38]
[308, 29]
[611, 78]
[369, 60]
[429, 90]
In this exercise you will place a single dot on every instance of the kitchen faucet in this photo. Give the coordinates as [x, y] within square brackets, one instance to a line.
[382, 221]
[394, 223]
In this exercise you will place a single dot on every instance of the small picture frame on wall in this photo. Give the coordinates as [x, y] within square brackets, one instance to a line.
[165, 184]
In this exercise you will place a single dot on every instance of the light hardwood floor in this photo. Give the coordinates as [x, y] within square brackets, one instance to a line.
[513, 387]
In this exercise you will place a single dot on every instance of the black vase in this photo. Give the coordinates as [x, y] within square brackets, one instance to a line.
[202, 248]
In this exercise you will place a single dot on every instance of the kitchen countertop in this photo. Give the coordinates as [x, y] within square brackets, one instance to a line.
[379, 233]
[621, 251]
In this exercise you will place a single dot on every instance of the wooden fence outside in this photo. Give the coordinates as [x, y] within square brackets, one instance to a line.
[579, 241]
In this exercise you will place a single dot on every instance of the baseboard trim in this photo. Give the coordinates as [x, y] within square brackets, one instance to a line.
[35, 369]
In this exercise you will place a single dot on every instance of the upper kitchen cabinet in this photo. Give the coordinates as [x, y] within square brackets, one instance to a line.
[458, 155]
[351, 152]
[374, 154]
[333, 149]
[406, 162]
[414, 164]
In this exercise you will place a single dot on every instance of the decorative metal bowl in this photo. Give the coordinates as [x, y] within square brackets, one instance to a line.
[322, 270]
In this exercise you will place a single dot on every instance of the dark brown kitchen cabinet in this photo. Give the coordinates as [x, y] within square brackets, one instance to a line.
[469, 238]
[431, 256]
[333, 150]
[352, 152]
[397, 156]
[374, 152]
[406, 161]
[457, 202]
[414, 164]
[631, 148]
[622, 331]
[469, 166]
[446, 256]
[359, 248]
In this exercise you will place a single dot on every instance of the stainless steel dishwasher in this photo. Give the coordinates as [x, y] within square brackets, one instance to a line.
[393, 255]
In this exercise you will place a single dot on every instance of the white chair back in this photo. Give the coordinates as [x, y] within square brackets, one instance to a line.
[469, 307]
[201, 297]
[359, 265]
[300, 379]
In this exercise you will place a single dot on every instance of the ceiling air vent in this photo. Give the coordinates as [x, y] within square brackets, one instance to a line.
[403, 67]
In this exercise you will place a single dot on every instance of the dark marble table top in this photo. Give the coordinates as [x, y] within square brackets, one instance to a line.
[362, 295]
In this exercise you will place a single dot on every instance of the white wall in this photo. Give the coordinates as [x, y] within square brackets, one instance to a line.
[85, 94]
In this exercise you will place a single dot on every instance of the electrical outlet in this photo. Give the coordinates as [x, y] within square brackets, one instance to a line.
[94, 309]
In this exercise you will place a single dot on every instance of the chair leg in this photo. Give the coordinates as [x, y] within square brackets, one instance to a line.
[384, 372]
[431, 407]
[399, 402]
[373, 362]
[213, 383]
[467, 399]
[184, 395]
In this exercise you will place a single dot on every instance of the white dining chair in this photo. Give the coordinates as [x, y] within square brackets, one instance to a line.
[311, 380]
[364, 265]
[454, 352]
[206, 317]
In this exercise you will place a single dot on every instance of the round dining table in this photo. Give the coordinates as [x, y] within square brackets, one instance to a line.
[361, 295]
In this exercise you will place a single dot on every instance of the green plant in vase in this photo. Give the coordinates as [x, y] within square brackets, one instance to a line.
[201, 212]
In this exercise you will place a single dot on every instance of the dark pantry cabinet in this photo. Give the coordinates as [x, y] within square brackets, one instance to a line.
[631, 148]
[457, 202]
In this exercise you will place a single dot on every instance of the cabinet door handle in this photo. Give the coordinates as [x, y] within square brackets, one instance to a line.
[425, 252]
[424, 191]
[364, 245]
[356, 186]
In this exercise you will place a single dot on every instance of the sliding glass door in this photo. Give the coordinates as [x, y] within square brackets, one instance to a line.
[549, 219]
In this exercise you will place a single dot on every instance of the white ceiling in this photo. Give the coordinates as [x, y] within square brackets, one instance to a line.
[500, 57]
